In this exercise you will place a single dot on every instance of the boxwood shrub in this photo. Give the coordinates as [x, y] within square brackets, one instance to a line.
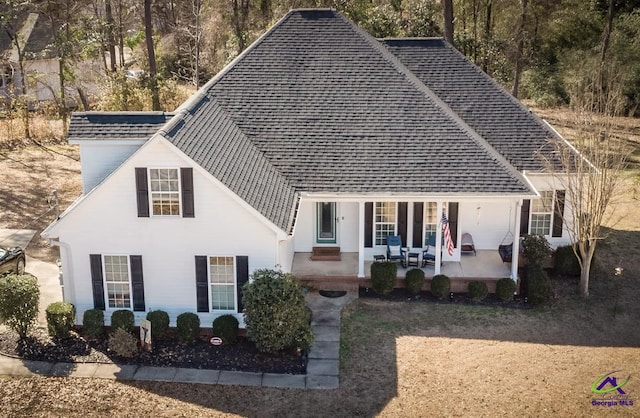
[566, 261]
[187, 327]
[226, 327]
[414, 281]
[383, 276]
[440, 286]
[122, 318]
[93, 322]
[539, 289]
[477, 290]
[60, 319]
[19, 296]
[159, 323]
[505, 289]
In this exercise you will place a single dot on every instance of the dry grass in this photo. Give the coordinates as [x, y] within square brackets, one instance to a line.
[397, 359]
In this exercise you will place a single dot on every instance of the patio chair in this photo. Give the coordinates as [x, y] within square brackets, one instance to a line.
[427, 257]
[395, 250]
[466, 244]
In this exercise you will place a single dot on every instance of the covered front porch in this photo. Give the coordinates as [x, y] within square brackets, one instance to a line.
[485, 266]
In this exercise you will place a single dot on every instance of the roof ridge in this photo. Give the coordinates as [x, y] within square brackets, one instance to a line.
[412, 78]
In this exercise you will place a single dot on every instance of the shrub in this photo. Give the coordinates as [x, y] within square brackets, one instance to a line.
[505, 288]
[19, 295]
[536, 250]
[539, 288]
[123, 343]
[93, 322]
[188, 327]
[159, 323]
[440, 286]
[567, 263]
[275, 312]
[414, 281]
[383, 276]
[478, 290]
[226, 327]
[122, 318]
[60, 319]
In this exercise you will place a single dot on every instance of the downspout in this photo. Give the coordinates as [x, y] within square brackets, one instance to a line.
[66, 274]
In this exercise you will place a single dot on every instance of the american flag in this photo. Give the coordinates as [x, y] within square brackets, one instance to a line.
[448, 242]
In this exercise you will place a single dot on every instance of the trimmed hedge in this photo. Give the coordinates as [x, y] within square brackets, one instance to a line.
[93, 322]
[478, 290]
[383, 276]
[187, 327]
[440, 286]
[122, 318]
[505, 288]
[60, 319]
[226, 327]
[19, 296]
[159, 323]
[414, 281]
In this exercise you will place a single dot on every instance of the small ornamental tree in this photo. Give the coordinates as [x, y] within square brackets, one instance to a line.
[19, 295]
[275, 312]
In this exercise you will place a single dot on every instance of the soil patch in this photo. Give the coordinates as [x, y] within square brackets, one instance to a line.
[241, 356]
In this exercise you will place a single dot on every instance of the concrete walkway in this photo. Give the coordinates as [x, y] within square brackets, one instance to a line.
[323, 368]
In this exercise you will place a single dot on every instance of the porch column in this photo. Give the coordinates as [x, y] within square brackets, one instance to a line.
[361, 240]
[515, 251]
[438, 237]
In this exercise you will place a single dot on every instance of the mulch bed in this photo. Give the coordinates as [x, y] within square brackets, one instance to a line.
[241, 356]
[401, 295]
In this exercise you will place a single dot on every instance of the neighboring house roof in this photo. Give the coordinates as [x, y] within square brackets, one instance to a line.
[491, 111]
[116, 125]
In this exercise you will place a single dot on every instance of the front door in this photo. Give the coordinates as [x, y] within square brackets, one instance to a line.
[326, 218]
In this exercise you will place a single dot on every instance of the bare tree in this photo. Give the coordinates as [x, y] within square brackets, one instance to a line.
[153, 73]
[447, 10]
[593, 170]
[517, 72]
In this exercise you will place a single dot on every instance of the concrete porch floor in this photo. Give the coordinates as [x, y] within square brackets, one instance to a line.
[486, 264]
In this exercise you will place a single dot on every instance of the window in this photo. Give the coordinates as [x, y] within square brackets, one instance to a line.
[430, 222]
[541, 214]
[165, 191]
[222, 280]
[385, 221]
[116, 276]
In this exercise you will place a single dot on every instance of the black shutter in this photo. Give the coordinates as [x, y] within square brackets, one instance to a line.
[186, 178]
[137, 283]
[96, 281]
[418, 213]
[202, 284]
[524, 217]
[142, 192]
[558, 212]
[368, 224]
[402, 222]
[242, 276]
[453, 222]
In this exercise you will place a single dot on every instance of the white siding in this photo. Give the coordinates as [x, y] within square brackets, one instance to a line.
[285, 254]
[304, 231]
[488, 222]
[106, 222]
[100, 158]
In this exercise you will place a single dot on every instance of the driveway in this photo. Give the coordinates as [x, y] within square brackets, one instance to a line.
[47, 273]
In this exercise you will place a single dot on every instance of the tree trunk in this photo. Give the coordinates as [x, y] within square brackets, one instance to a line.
[519, 49]
[447, 6]
[240, 15]
[606, 36]
[487, 36]
[110, 38]
[148, 30]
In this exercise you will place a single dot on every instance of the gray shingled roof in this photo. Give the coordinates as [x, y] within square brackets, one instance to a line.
[116, 125]
[491, 111]
[324, 107]
[212, 140]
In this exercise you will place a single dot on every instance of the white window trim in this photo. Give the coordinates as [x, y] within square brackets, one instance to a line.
[375, 223]
[234, 284]
[104, 281]
[151, 192]
[551, 211]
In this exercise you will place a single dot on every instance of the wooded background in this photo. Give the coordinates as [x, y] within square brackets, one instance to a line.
[542, 50]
